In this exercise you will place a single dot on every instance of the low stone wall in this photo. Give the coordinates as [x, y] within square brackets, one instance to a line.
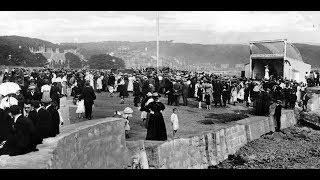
[91, 144]
[101, 144]
[314, 101]
[211, 148]
[312, 117]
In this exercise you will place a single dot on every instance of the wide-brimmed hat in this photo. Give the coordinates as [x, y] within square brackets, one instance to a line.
[155, 94]
[46, 100]
[32, 87]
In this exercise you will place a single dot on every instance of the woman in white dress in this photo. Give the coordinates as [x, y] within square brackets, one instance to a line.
[241, 94]
[99, 84]
[80, 108]
[64, 85]
[91, 80]
[130, 84]
[234, 94]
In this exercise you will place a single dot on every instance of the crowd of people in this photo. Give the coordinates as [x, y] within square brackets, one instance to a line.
[32, 113]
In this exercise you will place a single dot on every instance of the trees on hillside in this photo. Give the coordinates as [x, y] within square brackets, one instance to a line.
[105, 61]
[74, 60]
[20, 57]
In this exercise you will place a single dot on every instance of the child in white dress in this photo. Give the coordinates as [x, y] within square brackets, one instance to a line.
[80, 108]
[174, 121]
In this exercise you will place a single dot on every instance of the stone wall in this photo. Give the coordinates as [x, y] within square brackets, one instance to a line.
[314, 94]
[101, 144]
[211, 148]
[91, 144]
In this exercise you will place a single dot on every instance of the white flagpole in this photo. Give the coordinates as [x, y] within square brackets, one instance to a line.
[157, 41]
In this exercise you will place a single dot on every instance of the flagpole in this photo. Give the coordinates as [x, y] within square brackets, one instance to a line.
[157, 41]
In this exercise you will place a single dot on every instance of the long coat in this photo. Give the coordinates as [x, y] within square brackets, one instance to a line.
[20, 138]
[156, 129]
[5, 124]
[33, 116]
[55, 120]
[88, 95]
[45, 123]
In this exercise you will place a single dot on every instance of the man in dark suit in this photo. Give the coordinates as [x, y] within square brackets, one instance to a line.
[32, 114]
[32, 94]
[55, 94]
[20, 137]
[185, 92]
[6, 122]
[44, 122]
[89, 96]
[177, 92]
[55, 117]
[217, 93]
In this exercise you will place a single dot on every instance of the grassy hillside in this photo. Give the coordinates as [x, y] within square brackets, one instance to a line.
[310, 53]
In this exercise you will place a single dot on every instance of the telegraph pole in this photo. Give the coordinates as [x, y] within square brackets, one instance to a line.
[157, 41]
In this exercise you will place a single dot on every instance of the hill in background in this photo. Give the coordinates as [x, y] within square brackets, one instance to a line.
[189, 53]
[134, 53]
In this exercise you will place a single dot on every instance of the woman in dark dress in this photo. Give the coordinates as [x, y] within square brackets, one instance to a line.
[156, 127]
[122, 89]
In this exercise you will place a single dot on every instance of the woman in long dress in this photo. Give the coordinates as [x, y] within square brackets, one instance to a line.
[241, 94]
[99, 84]
[234, 94]
[64, 85]
[298, 93]
[156, 129]
[130, 84]
[121, 89]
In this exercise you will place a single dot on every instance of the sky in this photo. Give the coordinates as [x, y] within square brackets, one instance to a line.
[201, 27]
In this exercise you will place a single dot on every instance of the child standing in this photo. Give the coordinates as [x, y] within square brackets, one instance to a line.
[80, 108]
[174, 121]
[208, 100]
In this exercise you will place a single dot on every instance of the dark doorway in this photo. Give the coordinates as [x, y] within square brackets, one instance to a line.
[275, 68]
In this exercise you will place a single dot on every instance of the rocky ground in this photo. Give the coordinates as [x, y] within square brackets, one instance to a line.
[293, 148]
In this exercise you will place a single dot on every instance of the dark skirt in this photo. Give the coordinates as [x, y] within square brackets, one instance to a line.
[156, 128]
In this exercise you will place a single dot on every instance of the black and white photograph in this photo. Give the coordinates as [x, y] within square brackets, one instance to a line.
[160, 90]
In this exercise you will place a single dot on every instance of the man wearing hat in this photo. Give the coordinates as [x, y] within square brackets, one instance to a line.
[33, 94]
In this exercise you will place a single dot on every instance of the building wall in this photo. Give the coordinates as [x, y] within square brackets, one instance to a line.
[301, 67]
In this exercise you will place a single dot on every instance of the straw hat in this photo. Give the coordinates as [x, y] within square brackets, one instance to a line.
[46, 100]
[128, 110]
[155, 94]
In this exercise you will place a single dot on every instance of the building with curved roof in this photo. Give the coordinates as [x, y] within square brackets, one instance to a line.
[282, 58]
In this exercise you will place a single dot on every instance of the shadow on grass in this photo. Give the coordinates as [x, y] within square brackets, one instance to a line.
[223, 118]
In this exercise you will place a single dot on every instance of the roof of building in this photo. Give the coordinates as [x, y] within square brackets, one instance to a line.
[276, 48]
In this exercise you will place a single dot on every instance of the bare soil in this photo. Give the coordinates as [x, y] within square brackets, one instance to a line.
[293, 148]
